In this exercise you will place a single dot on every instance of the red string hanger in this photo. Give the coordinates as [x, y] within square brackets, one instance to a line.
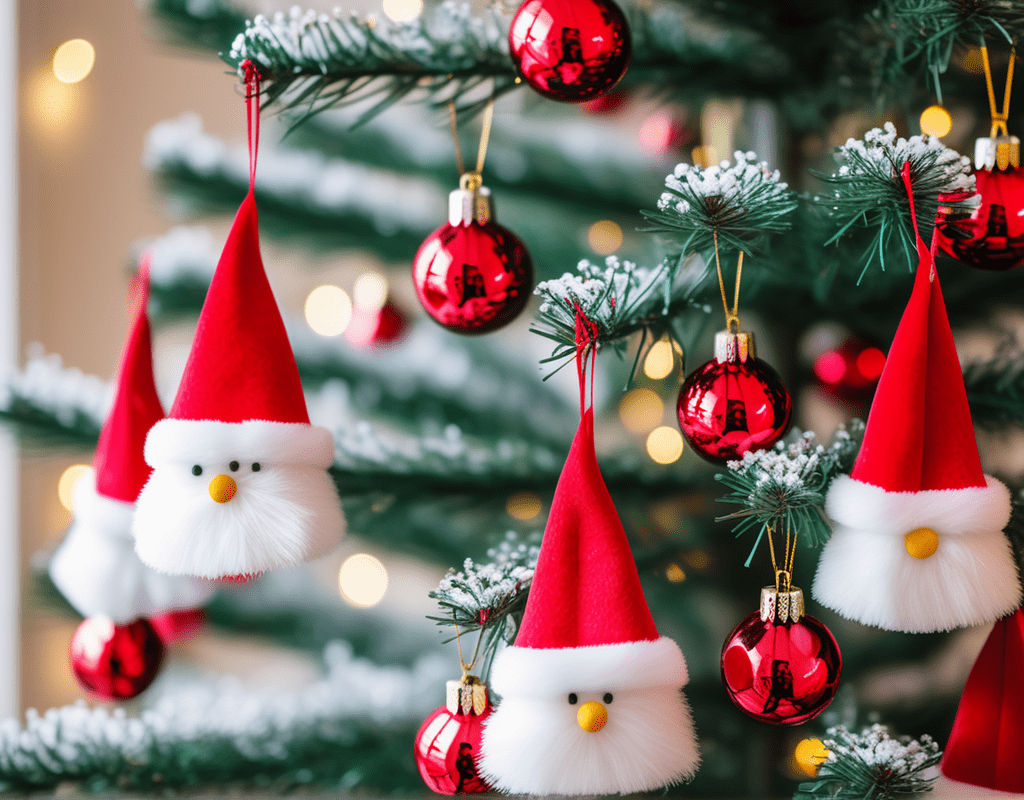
[586, 345]
[252, 109]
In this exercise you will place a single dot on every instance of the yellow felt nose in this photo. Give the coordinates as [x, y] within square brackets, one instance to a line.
[223, 488]
[592, 717]
[922, 543]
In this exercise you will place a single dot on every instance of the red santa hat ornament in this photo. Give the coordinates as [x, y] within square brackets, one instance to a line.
[985, 751]
[240, 482]
[591, 694]
[96, 568]
[918, 543]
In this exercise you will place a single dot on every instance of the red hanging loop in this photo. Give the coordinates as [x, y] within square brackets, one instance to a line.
[252, 108]
[924, 253]
[586, 344]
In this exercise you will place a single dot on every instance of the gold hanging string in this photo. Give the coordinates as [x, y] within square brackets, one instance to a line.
[998, 118]
[783, 576]
[472, 180]
[732, 318]
[466, 667]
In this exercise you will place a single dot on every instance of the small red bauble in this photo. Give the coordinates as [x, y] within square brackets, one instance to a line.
[377, 326]
[570, 50]
[733, 404]
[778, 665]
[472, 275]
[850, 371]
[116, 662]
[448, 742]
[173, 626]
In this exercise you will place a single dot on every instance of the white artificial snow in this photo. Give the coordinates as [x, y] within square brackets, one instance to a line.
[875, 747]
[64, 392]
[482, 587]
[726, 181]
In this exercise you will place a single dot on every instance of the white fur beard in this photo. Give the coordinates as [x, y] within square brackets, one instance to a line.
[98, 572]
[535, 745]
[866, 574]
[947, 789]
[280, 516]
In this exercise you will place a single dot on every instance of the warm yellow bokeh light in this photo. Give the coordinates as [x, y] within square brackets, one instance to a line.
[403, 10]
[810, 754]
[604, 237]
[704, 156]
[54, 105]
[524, 506]
[660, 360]
[936, 121]
[66, 486]
[665, 445]
[641, 410]
[328, 310]
[370, 292]
[363, 580]
[73, 61]
[675, 573]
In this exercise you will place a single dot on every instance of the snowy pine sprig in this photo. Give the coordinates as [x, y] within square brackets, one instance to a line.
[783, 488]
[873, 764]
[742, 203]
[868, 189]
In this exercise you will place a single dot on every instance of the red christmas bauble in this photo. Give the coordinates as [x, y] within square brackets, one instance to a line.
[378, 326]
[992, 238]
[448, 741]
[471, 274]
[734, 403]
[116, 662]
[570, 50]
[173, 626]
[850, 371]
[780, 670]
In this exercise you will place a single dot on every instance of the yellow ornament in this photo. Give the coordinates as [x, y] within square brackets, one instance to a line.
[936, 121]
[810, 754]
[922, 543]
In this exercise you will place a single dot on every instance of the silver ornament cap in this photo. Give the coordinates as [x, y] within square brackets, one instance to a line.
[470, 203]
[734, 347]
[780, 606]
[466, 696]
[997, 152]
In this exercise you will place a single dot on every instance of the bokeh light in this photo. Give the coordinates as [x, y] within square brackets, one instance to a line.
[328, 310]
[363, 580]
[523, 506]
[660, 360]
[370, 292]
[604, 237]
[403, 10]
[67, 483]
[675, 573]
[936, 121]
[809, 755]
[641, 410]
[54, 105]
[870, 362]
[665, 445]
[73, 61]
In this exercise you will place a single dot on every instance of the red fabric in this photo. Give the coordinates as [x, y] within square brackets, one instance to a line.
[586, 590]
[121, 470]
[986, 746]
[919, 432]
[241, 365]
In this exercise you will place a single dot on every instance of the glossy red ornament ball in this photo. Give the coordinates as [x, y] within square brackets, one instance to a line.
[733, 404]
[448, 742]
[570, 50]
[782, 673]
[116, 662]
[992, 238]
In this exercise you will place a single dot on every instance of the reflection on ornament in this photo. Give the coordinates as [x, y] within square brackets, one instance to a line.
[570, 50]
[115, 662]
[447, 745]
[993, 237]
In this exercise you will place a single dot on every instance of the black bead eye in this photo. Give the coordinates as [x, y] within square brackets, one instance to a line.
[573, 699]
[234, 466]
[256, 467]
[608, 697]
[197, 470]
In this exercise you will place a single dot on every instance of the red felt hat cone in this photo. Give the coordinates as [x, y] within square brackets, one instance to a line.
[919, 433]
[986, 746]
[586, 590]
[121, 470]
[241, 366]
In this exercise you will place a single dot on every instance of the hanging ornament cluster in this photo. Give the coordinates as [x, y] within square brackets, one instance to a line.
[570, 50]
[992, 238]
[917, 542]
[735, 403]
[472, 275]
[779, 665]
[592, 699]
[240, 482]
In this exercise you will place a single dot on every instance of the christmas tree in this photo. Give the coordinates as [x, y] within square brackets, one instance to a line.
[785, 160]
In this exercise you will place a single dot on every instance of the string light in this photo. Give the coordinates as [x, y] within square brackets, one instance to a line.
[403, 10]
[73, 61]
[370, 292]
[67, 483]
[641, 410]
[665, 445]
[328, 310]
[363, 580]
[604, 237]
[936, 121]
[523, 506]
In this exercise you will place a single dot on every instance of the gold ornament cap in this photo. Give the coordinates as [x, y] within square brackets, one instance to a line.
[467, 696]
[997, 152]
[779, 606]
[737, 347]
[471, 202]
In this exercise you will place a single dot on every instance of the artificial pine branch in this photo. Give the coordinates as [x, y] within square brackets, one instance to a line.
[995, 388]
[209, 25]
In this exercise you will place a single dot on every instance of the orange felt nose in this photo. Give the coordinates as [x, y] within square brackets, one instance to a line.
[592, 717]
[223, 488]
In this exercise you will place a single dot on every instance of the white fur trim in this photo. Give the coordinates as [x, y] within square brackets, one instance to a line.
[97, 571]
[948, 789]
[532, 743]
[549, 672]
[215, 444]
[280, 516]
[866, 574]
